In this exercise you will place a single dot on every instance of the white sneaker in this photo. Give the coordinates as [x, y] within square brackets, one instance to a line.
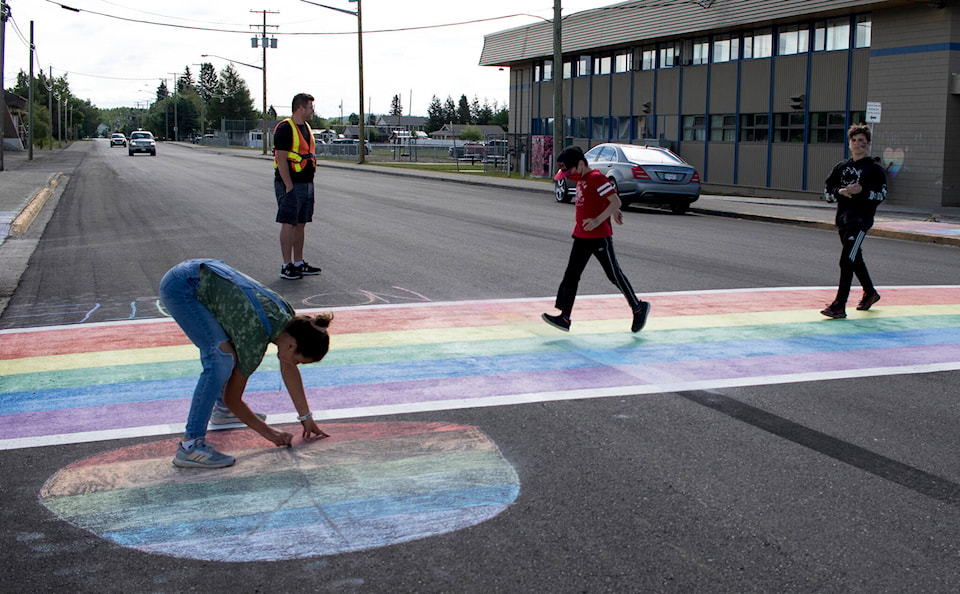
[223, 416]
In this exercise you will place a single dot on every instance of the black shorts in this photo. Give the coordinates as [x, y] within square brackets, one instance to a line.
[296, 206]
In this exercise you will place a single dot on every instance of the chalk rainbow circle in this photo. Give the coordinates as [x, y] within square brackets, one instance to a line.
[369, 485]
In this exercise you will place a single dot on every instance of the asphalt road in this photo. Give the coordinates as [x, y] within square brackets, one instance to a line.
[829, 486]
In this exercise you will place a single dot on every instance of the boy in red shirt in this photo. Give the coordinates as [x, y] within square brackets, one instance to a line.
[597, 203]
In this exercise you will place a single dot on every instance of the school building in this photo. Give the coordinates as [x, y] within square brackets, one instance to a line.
[756, 94]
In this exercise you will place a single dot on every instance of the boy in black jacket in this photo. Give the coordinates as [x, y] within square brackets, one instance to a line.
[859, 185]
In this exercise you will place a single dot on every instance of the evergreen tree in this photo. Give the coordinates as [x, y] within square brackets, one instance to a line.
[484, 113]
[463, 111]
[185, 80]
[450, 111]
[235, 101]
[162, 91]
[208, 85]
[396, 108]
[501, 116]
[435, 116]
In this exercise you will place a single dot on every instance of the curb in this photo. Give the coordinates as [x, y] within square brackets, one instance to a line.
[815, 224]
[26, 217]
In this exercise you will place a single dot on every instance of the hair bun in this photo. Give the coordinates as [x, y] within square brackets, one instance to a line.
[322, 320]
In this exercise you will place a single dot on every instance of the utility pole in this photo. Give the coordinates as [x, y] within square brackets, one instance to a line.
[4, 15]
[50, 107]
[176, 99]
[265, 43]
[557, 84]
[362, 147]
[30, 100]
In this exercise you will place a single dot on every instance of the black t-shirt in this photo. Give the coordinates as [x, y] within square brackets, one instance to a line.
[283, 142]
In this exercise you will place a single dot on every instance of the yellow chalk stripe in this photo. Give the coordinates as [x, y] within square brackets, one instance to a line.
[55, 363]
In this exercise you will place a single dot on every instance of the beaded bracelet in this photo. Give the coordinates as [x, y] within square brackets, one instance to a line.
[305, 417]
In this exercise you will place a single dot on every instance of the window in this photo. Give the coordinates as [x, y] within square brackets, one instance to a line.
[542, 71]
[829, 126]
[669, 54]
[754, 127]
[623, 62]
[602, 65]
[648, 59]
[644, 127]
[838, 34]
[583, 66]
[598, 128]
[695, 127]
[578, 128]
[701, 50]
[788, 127]
[723, 128]
[863, 32]
[762, 44]
[623, 124]
[567, 69]
[793, 39]
[726, 48]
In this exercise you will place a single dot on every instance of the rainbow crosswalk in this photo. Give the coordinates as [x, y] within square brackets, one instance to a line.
[90, 382]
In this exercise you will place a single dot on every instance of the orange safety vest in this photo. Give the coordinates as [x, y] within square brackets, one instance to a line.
[298, 160]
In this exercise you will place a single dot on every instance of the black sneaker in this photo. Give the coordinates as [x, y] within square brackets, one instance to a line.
[868, 301]
[640, 317]
[305, 269]
[835, 310]
[290, 272]
[558, 322]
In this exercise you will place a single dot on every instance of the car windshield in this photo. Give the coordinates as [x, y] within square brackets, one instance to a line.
[638, 154]
[136, 135]
[118, 136]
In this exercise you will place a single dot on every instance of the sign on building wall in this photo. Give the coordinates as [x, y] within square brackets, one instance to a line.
[873, 112]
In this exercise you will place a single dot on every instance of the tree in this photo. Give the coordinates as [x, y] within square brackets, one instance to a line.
[162, 91]
[234, 101]
[463, 111]
[208, 85]
[435, 116]
[396, 108]
[501, 116]
[450, 111]
[483, 114]
[471, 132]
[185, 80]
[41, 115]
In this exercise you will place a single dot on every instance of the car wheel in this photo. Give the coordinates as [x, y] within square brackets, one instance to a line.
[560, 191]
[130, 153]
[153, 153]
[678, 208]
[613, 182]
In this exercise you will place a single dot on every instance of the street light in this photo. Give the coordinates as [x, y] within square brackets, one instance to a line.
[361, 148]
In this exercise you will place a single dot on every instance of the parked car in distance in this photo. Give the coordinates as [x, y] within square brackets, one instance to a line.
[118, 139]
[641, 175]
[342, 146]
[468, 150]
[142, 141]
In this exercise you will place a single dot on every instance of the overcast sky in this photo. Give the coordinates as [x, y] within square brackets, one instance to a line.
[114, 62]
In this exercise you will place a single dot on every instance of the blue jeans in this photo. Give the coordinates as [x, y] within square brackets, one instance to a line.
[178, 294]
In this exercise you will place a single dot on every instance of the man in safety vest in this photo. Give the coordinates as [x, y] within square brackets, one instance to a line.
[295, 163]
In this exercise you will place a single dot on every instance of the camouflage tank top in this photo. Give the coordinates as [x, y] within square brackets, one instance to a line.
[239, 317]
